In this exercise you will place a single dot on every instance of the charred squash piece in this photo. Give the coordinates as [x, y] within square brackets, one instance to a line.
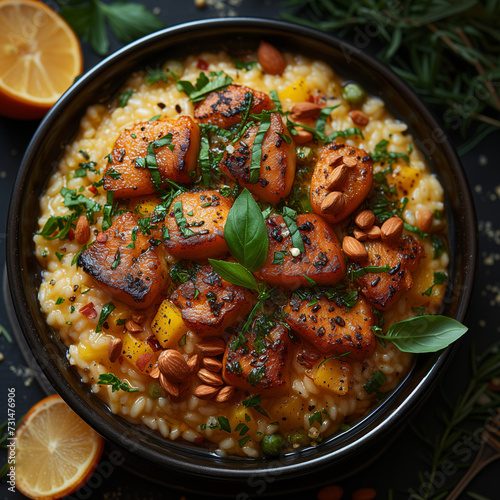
[258, 360]
[127, 180]
[277, 165]
[384, 289]
[225, 108]
[210, 304]
[322, 261]
[333, 329]
[205, 213]
[355, 186]
[135, 275]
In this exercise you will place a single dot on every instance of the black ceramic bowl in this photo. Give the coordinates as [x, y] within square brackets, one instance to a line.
[184, 465]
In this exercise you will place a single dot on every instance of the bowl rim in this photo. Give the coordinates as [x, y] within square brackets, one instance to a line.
[62, 386]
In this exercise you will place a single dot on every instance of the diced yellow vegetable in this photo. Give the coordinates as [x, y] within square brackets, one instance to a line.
[297, 91]
[146, 206]
[406, 179]
[138, 353]
[292, 409]
[334, 375]
[237, 416]
[90, 353]
[168, 325]
[423, 280]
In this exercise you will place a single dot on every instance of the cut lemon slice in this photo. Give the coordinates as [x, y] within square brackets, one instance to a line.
[56, 451]
[40, 56]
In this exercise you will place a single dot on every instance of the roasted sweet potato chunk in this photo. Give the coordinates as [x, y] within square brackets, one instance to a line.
[322, 261]
[257, 361]
[133, 275]
[355, 185]
[384, 289]
[277, 164]
[331, 328]
[224, 108]
[201, 235]
[125, 177]
[210, 304]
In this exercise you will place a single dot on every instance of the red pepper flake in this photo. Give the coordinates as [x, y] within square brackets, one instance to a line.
[71, 234]
[120, 359]
[153, 343]
[311, 98]
[92, 189]
[88, 311]
[199, 440]
[202, 64]
[143, 361]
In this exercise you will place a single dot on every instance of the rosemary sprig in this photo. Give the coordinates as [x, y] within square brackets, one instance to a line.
[458, 418]
[446, 50]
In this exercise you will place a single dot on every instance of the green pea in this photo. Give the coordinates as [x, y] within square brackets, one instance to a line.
[155, 391]
[273, 445]
[300, 437]
[354, 94]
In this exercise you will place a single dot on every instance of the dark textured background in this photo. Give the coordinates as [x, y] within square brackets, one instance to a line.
[397, 469]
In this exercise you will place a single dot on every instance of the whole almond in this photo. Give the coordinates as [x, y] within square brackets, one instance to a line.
[173, 366]
[115, 349]
[354, 249]
[194, 363]
[365, 219]
[336, 178]
[212, 364]
[305, 111]
[82, 231]
[211, 346]
[360, 235]
[334, 203]
[206, 391]
[170, 388]
[271, 59]
[155, 372]
[133, 327]
[392, 229]
[209, 378]
[303, 136]
[374, 233]
[364, 494]
[350, 161]
[225, 394]
[138, 318]
[423, 220]
[359, 118]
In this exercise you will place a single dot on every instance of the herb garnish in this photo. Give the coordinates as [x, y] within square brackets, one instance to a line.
[246, 65]
[116, 262]
[88, 166]
[438, 246]
[439, 279]
[245, 232]
[203, 85]
[127, 21]
[374, 383]
[154, 75]
[181, 220]
[429, 333]
[265, 123]
[357, 273]
[106, 310]
[290, 218]
[123, 98]
[115, 383]
[254, 402]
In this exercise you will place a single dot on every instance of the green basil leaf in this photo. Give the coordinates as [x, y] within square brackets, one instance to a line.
[415, 230]
[374, 383]
[321, 121]
[277, 103]
[345, 134]
[245, 232]
[353, 274]
[424, 333]
[265, 123]
[234, 273]
[290, 218]
[123, 98]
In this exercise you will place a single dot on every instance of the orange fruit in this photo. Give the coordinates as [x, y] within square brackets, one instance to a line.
[40, 56]
[56, 451]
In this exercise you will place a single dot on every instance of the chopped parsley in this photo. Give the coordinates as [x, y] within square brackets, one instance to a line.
[115, 383]
[203, 85]
[439, 279]
[123, 98]
[105, 312]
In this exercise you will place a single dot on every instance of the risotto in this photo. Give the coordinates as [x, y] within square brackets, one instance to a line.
[271, 344]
